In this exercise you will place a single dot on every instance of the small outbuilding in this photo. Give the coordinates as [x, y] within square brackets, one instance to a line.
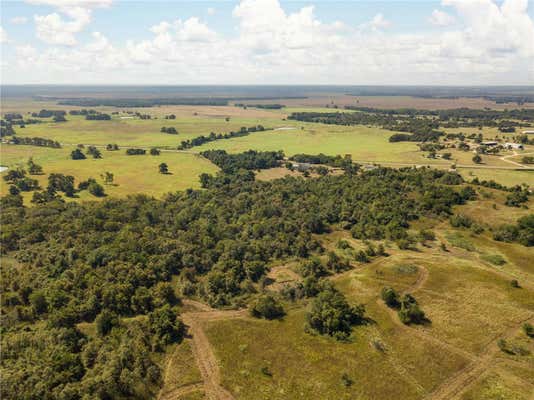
[514, 146]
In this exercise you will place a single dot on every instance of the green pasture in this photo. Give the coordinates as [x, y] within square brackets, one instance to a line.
[133, 174]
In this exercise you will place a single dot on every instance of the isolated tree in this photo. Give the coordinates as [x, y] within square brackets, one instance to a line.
[154, 152]
[33, 168]
[77, 155]
[107, 177]
[477, 159]
[163, 168]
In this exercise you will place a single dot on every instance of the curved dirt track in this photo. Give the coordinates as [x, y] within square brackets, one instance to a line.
[418, 284]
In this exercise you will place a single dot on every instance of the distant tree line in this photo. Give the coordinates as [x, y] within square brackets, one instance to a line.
[35, 141]
[200, 140]
[263, 106]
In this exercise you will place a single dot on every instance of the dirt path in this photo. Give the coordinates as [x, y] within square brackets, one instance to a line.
[506, 159]
[202, 350]
[417, 285]
[181, 391]
[459, 382]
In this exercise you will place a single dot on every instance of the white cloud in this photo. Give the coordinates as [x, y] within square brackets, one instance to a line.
[440, 18]
[19, 20]
[210, 11]
[3, 35]
[379, 22]
[490, 43]
[53, 29]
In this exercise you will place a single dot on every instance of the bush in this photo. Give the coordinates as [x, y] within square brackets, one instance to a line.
[528, 329]
[390, 297]
[266, 307]
[409, 312]
[96, 189]
[460, 221]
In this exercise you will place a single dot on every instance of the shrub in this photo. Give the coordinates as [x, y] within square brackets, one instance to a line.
[266, 307]
[96, 189]
[460, 221]
[390, 297]
[528, 329]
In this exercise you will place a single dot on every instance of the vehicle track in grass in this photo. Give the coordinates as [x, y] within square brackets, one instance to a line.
[458, 383]
[203, 352]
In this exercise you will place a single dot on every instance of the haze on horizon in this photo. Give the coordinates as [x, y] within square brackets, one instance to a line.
[452, 42]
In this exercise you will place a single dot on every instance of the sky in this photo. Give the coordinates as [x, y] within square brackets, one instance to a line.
[447, 42]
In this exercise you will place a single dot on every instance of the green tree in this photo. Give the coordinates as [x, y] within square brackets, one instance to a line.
[96, 189]
[163, 168]
[266, 306]
[105, 322]
[107, 177]
[477, 159]
[77, 154]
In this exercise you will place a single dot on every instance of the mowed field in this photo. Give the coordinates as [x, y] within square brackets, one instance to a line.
[468, 300]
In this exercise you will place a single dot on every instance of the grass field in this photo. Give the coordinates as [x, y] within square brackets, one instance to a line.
[133, 174]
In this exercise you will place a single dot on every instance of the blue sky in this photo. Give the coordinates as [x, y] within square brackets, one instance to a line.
[268, 41]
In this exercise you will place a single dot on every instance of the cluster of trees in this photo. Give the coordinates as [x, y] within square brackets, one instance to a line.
[112, 147]
[6, 128]
[248, 160]
[522, 232]
[135, 152]
[35, 141]
[406, 306]
[172, 130]
[49, 114]
[93, 151]
[98, 116]
[200, 140]
[19, 181]
[332, 161]
[170, 116]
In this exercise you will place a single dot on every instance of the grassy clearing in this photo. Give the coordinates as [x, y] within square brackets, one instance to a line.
[504, 177]
[363, 143]
[133, 174]
[313, 368]
[137, 132]
[180, 368]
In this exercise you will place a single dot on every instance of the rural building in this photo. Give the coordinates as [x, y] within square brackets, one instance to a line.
[514, 146]
[302, 166]
[489, 143]
[527, 132]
